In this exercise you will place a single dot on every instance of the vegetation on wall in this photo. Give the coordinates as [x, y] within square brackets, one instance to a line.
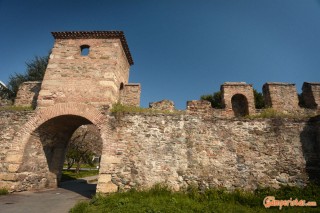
[35, 70]
[216, 99]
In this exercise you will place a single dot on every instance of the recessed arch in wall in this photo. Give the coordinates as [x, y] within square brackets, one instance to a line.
[240, 105]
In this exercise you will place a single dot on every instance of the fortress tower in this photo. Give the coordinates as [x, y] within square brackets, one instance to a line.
[88, 67]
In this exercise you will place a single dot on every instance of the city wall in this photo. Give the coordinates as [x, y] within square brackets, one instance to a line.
[177, 149]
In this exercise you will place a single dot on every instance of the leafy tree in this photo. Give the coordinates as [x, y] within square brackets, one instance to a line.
[35, 72]
[214, 99]
[258, 99]
[5, 93]
[83, 145]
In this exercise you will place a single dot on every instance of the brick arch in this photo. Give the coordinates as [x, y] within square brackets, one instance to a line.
[45, 114]
[28, 133]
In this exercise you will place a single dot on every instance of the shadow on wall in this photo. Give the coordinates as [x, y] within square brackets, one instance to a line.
[310, 141]
[45, 151]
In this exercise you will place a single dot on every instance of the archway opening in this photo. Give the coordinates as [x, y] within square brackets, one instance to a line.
[45, 152]
[239, 105]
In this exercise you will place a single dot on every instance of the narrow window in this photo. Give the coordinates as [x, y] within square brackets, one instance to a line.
[85, 50]
[121, 86]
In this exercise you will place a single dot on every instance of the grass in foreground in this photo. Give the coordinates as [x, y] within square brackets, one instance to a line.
[3, 191]
[71, 175]
[162, 199]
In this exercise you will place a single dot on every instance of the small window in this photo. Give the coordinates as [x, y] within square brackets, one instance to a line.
[85, 50]
[121, 86]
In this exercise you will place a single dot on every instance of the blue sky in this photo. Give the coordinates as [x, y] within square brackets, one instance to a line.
[181, 49]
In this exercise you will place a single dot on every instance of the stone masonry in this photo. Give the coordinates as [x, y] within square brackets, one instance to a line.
[28, 94]
[140, 150]
[237, 97]
[281, 96]
[162, 105]
[130, 94]
[94, 77]
[311, 94]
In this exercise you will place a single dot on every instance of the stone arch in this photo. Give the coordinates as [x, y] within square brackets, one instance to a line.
[239, 104]
[51, 124]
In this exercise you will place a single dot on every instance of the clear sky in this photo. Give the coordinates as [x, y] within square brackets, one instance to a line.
[182, 49]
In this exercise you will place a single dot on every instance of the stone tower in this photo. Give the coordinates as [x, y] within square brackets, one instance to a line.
[87, 67]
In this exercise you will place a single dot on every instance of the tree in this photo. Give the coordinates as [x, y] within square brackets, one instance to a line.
[5, 93]
[258, 99]
[214, 99]
[83, 145]
[35, 72]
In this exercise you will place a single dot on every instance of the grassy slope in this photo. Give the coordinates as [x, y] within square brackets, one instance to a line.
[161, 199]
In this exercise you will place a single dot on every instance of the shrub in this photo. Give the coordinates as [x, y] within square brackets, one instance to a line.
[4, 191]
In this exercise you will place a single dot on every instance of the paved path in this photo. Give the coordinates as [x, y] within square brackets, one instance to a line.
[58, 200]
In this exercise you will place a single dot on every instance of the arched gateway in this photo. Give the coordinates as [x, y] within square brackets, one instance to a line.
[75, 90]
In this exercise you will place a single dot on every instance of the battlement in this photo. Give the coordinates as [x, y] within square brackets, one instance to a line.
[237, 98]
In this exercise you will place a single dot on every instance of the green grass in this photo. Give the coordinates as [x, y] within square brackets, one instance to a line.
[272, 113]
[162, 199]
[118, 108]
[71, 175]
[3, 191]
[16, 108]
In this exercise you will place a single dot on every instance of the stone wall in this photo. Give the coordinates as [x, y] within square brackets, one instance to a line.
[130, 94]
[178, 149]
[162, 105]
[311, 95]
[199, 107]
[281, 96]
[28, 94]
[237, 98]
[182, 150]
[10, 128]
